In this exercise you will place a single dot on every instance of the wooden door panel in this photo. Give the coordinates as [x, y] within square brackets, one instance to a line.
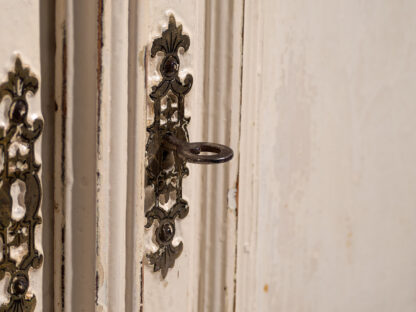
[330, 106]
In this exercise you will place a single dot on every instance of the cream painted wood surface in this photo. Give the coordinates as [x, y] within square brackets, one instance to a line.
[203, 276]
[316, 211]
[180, 282]
[327, 218]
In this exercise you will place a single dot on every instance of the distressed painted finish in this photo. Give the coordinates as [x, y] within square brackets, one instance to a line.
[112, 140]
[75, 155]
[95, 233]
[315, 213]
[327, 201]
[205, 271]
[219, 120]
[180, 279]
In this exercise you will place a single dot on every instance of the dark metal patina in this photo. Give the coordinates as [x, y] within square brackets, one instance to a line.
[19, 167]
[168, 148]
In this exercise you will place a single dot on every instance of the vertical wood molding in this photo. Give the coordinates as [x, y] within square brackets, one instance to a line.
[112, 139]
[61, 63]
[75, 158]
[108, 89]
[220, 120]
[137, 98]
[47, 86]
[248, 167]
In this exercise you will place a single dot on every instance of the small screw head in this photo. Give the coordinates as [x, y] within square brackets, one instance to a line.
[167, 231]
[20, 285]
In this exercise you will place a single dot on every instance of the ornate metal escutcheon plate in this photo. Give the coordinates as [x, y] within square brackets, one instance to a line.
[165, 169]
[20, 189]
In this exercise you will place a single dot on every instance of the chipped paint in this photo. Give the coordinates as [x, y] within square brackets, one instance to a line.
[231, 199]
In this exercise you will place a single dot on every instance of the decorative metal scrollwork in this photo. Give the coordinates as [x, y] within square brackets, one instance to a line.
[20, 189]
[165, 169]
[168, 148]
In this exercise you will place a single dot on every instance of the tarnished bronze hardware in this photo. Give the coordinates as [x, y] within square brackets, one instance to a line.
[168, 148]
[19, 167]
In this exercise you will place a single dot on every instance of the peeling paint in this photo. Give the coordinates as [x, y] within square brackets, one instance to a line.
[231, 199]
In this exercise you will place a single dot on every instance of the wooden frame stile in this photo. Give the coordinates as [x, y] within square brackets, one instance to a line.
[203, 278]
[75, 152]
[136, 160]
[112, 154]
[179, 290]
[246, 299]
[47, 53]
[220, 118]
[95, 83]
[60, 133]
